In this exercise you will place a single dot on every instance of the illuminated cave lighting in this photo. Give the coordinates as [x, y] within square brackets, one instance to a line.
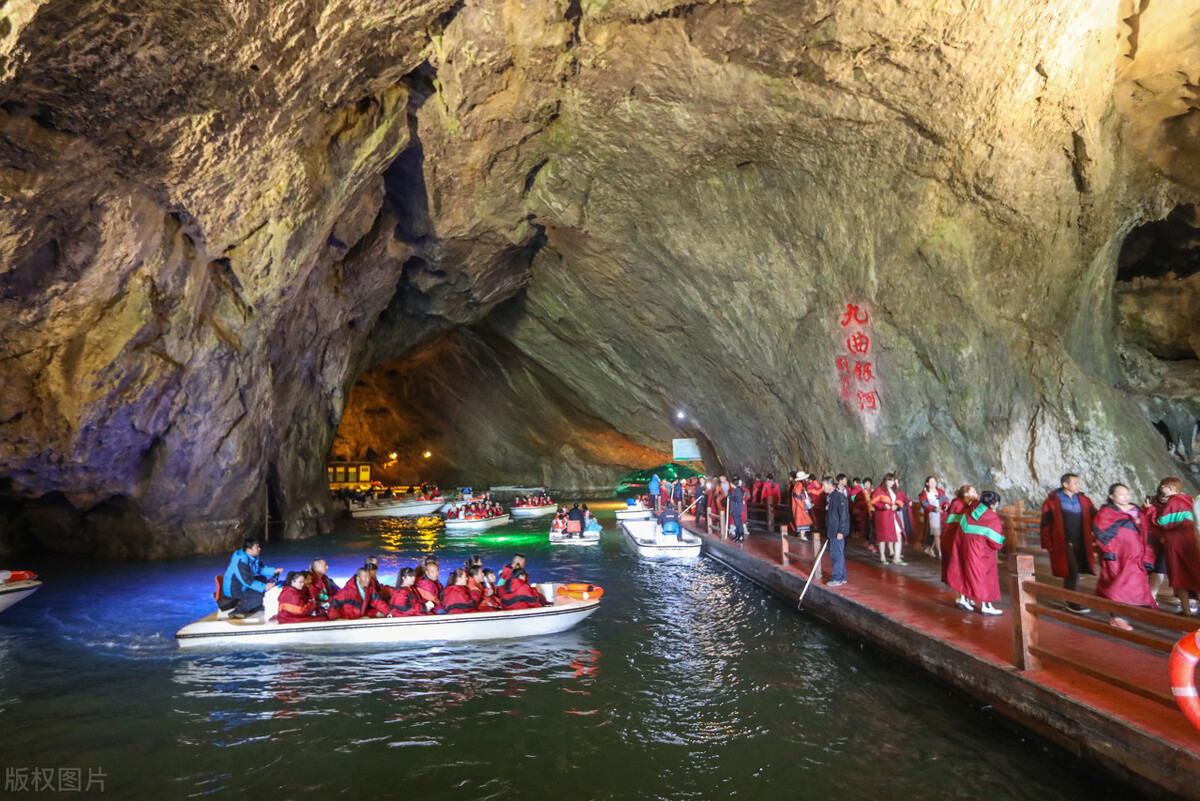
[427, 454]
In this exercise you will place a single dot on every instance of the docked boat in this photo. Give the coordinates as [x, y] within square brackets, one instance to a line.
[525, 512]
[261, 630]
[634, 511]
[16, 586]
[645, 537]
[397, 507]
[476, 523]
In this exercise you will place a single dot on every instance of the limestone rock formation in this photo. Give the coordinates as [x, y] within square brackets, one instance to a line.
[216, 219]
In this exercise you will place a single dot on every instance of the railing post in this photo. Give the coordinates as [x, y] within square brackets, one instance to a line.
[770, 515]
[708, 521]
[1025, 623]
[1019, 528]
[783, 541]
[725, 524]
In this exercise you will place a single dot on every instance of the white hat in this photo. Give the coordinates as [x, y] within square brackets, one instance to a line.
[801, 475]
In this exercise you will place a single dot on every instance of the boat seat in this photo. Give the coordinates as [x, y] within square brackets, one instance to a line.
[224, 603]
[671, 529]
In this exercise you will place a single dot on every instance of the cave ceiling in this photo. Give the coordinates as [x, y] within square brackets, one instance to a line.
[237, 237]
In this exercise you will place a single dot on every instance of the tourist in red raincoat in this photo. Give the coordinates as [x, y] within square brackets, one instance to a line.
[404, 601]
[1178, 522]
[1066, 534]
[816, 497]
[296, 605]
[982, 535]
[756, 488]
[1120, 532]
[801, 520]
[952, 551]
[889, 523]
[517, 594]
[770, 493]
[429, 589]
[1156, 537]
[357, 599]
[457, 597]
[321, 587]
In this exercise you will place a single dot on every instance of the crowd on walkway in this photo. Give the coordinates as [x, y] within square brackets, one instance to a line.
[311, 595]
[1134, 549]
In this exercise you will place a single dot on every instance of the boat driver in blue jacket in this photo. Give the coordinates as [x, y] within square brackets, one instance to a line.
[246, 579]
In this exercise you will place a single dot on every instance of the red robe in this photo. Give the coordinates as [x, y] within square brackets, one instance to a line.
[1121, 540]
[816, 494]
[1054, 537]
[770, 492]
[405, 603]
[516, 594]
[800, 517]
[297, 606]
[349, 603]
[952, 558]
[1178, 523]
[756, 492]
[457, 599]
[982, 535]
[860, 507]
[887, 527]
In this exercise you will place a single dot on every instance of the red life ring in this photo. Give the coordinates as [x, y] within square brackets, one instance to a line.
[1184, 657]
[21, 575]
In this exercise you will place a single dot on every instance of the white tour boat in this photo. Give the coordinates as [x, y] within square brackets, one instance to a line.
[582, 538]
[476, 524]
[16, 587]
[525, 512]
[397, 507]
[637, 511]
[646, 538]
[261, 630]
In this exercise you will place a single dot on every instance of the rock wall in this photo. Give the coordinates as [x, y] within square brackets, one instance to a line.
[214, 220]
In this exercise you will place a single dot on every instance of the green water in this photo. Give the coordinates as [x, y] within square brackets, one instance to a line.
[689, 683]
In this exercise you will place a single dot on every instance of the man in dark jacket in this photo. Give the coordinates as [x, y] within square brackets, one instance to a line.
[739, 500]
[837, 525]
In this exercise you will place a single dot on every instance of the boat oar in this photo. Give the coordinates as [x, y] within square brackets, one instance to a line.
[815, 570]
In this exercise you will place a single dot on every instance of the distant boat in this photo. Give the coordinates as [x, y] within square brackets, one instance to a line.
[582, 538]
[397, 507]
[635, 511]
[17, 586]
[476, 524]
[646, 539]
[523, 512]
[260, 630]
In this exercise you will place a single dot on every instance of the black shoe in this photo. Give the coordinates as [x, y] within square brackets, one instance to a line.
[1077, 609]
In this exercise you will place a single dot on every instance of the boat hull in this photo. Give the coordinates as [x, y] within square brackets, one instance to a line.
[399, 509]
[368, 631]
[634, 514]
[14, 591]
[524, 512]
[640, 536]
[477, 525]
[587, 538]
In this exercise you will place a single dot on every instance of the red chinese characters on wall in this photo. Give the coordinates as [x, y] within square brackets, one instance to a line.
[855, 371]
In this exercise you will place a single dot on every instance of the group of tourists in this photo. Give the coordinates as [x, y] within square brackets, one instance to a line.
[482, 509]
[311, 595]
[1138, 547]
[574, 521]
[532, 501]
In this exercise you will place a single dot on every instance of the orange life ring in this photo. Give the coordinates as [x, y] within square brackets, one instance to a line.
[580, 592]
[1184, 657]
[21, 575]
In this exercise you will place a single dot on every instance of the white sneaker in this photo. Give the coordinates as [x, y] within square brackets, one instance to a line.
[965, 604]
[988, 609]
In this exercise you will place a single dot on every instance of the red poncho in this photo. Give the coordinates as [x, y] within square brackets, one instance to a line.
[982, 535]
[952, 558]
[888, 526]
[1178, 523]
[1121, 539]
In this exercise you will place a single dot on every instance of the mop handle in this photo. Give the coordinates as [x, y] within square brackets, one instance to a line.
[815, 569]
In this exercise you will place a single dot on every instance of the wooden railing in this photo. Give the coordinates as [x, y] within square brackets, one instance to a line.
[786, 541]
[1029, 653]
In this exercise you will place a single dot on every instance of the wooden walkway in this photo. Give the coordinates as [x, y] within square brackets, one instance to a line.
[1136, 733]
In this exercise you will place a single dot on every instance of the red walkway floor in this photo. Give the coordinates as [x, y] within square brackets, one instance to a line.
[914, 596]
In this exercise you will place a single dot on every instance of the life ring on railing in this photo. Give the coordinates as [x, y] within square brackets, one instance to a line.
[580, 592]
[1184, 657]
[20, 575]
